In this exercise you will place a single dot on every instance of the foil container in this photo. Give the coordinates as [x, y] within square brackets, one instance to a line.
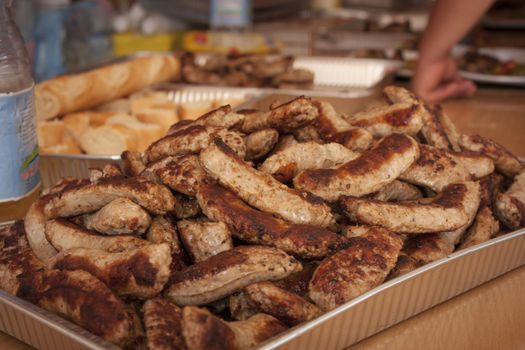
[370, 313]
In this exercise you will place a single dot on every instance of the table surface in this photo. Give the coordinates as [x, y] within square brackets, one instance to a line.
[495, 113]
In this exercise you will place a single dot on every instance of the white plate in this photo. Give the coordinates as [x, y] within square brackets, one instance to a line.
[501, 53]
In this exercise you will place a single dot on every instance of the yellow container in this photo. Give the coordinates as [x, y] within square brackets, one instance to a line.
[129, 43]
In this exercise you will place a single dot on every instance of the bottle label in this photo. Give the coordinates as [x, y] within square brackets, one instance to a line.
[19, 159]
[230, 13]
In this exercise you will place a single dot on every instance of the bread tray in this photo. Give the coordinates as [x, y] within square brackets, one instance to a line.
[380, 308]
[54, 167]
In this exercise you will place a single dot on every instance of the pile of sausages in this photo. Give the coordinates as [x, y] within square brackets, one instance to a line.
[237, 225]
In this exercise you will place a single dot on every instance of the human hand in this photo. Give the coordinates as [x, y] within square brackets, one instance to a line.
[438, 79]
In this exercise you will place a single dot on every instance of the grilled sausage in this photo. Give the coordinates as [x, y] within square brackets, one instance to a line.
[287, 307]
[132, 163]
[331, 127]
[365, 174]
[181, 173]
[435, 122]
[285, 118]
[286, 164]
[163, 230]
[163, 323]
[397, 191]
[153, 197]
[510, 206]
[255, 330]
[64, 235]
[192, 140]
[228, 272]
[386, 120]
[202, 330]
[355, 270]
[484, 228]
[253, 226]
[261, 190]
[476, 164]
[435, 169]
[75, 295]
[204, 239]
[260, 143]
[449, 210]
[221, 117]
[120, 216]
[504, 160]
[141, 273]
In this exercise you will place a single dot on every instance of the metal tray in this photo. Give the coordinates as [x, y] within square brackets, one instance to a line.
[54, 167]
[344, 77]
[380, 308]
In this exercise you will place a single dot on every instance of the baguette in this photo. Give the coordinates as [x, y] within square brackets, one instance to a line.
[76, 124]
[77, 92]
[50, 133]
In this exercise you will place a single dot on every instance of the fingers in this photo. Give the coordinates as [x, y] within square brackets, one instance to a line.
[454, 89]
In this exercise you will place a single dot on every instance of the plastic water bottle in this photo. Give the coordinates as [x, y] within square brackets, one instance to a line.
[19, 174]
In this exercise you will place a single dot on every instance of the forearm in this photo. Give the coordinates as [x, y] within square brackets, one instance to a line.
[449, 22]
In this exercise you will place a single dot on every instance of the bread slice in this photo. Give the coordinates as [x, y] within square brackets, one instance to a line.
[61, 148]
[101, 118]
[146, 100]
[145, 133]
[162, 117]
[76, 124]
[50, 132]
[193, 110]
[109, 140]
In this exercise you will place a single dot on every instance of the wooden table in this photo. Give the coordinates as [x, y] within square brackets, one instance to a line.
[498, 114]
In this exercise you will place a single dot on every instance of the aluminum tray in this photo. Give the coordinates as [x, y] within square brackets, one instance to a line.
[54, 167]
[344, 77]
[380, 308]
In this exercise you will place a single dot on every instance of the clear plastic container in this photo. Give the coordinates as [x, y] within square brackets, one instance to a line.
[19, 174]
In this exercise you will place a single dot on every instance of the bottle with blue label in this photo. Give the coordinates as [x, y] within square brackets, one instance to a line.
[19, 172]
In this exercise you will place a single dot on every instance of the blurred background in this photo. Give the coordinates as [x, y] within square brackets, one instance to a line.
[69, 36]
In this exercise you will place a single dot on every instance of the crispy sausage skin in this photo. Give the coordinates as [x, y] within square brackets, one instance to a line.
[510, 206]
[365, 174]
[286, 306]
[163, 324]
[286, 164]
[64, 235]
[285, 118]
[484, 228]
[228, 272]
[504, 160]
[261, 190]
[435, 169]
[256, 227]
[355, 270]
[76, 295]
[386, 120]
[141, 273]
[192, 140]
[449, 210]
[260, 143]
[204, 239]
[118, 217]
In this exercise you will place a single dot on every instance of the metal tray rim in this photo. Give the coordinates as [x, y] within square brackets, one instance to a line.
[281, 339]
[91, 341]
